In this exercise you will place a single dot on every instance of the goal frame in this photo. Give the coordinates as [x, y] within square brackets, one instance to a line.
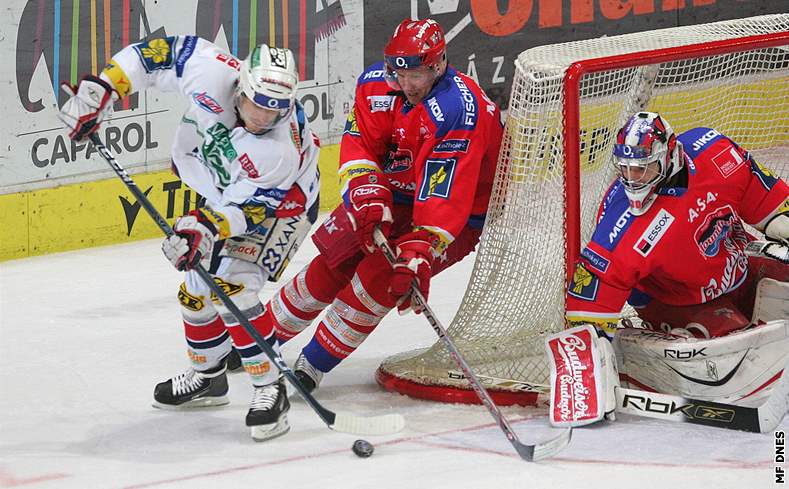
[572, 113]
[524, 392]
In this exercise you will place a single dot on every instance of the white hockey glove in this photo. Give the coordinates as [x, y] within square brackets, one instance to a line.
[192, 242]
[88, 105]
[777, 228]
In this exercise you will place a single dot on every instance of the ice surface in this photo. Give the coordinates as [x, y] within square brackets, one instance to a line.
[85, 335]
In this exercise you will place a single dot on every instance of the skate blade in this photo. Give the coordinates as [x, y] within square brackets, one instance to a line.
[201, 402]
[265, 432]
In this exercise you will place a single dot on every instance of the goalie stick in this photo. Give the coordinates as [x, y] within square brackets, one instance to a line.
[343, 422]
[538, 451]
[762, 419]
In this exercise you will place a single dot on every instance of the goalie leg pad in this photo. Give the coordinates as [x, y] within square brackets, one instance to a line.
[583, 377]
[771, 302]
[737, 368]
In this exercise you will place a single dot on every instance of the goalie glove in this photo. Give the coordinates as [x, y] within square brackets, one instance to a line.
[370, 206]
[193, 240]
[413, 262]
[89, 103]
[777, 228]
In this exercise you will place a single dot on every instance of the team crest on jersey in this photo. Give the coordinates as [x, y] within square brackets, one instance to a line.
[351, 126]
[653, 233]
[207, 103]
[584, 284]
[717, 227]
[156, 54]
[437, 181]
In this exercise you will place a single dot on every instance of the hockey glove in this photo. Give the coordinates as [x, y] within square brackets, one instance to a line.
[370, 206]
[89, 103]
[193, 240]
[413, 262]
[777, 228]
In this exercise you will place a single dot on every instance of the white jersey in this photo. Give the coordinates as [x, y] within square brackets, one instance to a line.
[242, 175]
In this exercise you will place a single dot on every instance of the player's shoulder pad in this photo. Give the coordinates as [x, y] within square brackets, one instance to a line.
[615, 219]
[453, 104]
[373, 73]
[698, 139]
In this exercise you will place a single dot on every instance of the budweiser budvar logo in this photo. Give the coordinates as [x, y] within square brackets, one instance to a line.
[573, 393]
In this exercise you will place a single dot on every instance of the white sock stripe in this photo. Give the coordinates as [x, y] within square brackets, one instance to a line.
[251, 314]
[366, 299]
[342, 330]
[354, 315]
[285, 318]
[198, 320]
[301, 296]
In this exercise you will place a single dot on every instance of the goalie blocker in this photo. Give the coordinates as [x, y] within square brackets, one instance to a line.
[583, 377]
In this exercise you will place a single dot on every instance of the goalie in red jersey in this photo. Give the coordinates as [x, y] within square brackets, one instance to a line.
[670, 240]
[417, 159]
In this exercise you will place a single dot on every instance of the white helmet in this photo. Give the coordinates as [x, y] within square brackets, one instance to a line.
[269, 78]
[646, 139]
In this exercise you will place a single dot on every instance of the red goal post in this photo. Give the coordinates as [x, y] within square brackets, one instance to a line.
[566, 103]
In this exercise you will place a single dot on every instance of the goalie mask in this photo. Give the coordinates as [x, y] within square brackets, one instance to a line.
[646, 154]
[267, 81]
[415, 44]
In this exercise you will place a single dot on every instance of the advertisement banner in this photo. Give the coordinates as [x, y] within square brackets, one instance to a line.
[52, 42]
[51, 186]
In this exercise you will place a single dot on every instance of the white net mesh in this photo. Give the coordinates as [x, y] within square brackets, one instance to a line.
[516, 292]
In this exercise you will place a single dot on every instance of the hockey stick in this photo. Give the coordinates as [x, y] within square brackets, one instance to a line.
[343, 422]
[535, 452]
[762, 419]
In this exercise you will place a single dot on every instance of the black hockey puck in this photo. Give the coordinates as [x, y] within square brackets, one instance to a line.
[363, 448]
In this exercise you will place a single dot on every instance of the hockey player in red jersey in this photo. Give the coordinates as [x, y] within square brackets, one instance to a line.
[417, 159]
[670, 240]
[670, 237]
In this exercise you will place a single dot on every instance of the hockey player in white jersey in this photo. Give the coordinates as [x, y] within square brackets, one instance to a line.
[245, 145]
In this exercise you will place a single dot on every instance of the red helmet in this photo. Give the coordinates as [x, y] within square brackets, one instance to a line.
[416, 43]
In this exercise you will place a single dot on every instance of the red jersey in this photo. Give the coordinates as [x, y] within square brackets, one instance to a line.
[439, 156]
[687, 248]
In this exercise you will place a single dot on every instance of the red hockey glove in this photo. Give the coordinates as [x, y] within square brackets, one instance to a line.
[88, 104]
[414, 261]
[370, 206]
[193, 240]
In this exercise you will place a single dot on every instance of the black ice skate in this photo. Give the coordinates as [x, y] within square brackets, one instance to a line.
[233, 361]
[268, 411]
[192, 389]
[309, 376]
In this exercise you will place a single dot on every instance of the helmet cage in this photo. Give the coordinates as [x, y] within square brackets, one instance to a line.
[645, 156]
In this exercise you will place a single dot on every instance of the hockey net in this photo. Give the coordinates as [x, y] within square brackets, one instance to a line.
[567, 102]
